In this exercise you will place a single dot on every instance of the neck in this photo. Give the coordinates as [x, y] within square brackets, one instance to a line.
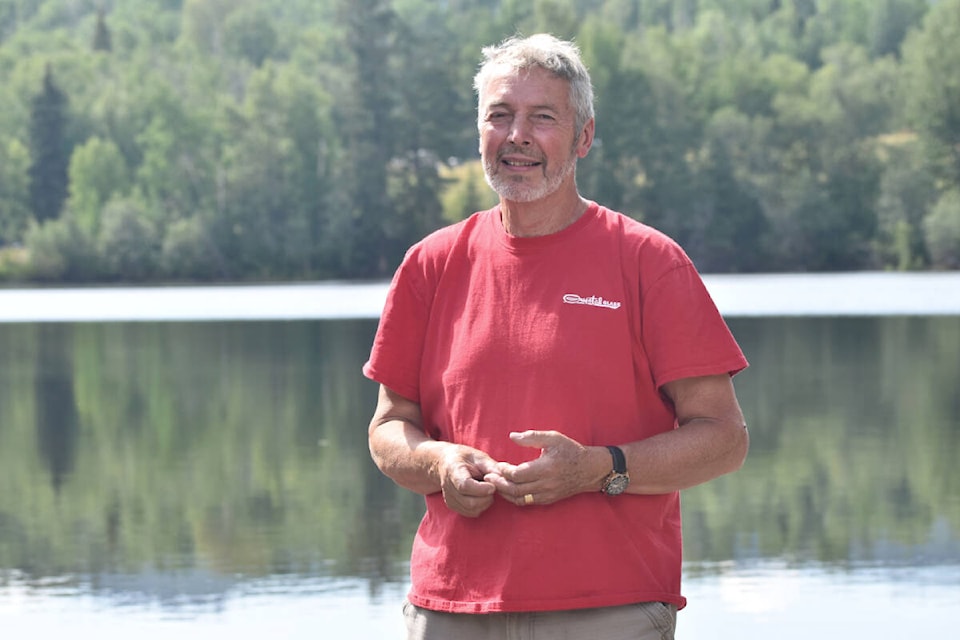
[541, 218]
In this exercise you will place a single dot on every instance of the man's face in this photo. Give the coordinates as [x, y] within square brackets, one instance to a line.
[528, 142]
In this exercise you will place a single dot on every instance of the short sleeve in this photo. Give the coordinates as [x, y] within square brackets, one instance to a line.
[684, 334]
[398, 345]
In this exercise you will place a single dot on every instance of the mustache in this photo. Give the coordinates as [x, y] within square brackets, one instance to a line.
[514, 149]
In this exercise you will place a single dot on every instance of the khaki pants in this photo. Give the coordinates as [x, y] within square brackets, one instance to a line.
[644, 621]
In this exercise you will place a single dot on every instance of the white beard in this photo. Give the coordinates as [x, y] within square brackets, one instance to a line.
[516, 189]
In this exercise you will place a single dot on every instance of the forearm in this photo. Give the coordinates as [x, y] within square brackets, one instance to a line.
[697, 452]
[407, 455]
[711, 438]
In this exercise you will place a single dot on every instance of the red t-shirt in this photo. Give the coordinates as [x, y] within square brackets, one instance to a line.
[574, 331]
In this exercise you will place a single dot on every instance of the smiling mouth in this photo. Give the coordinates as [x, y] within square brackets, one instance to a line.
[521, 163]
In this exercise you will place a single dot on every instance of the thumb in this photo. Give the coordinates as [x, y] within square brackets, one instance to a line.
[536, 439]
[463, 479]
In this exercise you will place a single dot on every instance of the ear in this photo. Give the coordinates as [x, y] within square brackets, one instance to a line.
[586, 139]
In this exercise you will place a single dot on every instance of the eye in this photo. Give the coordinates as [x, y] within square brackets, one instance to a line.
[497, 116]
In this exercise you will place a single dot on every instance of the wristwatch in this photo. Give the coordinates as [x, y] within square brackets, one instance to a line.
[616, 483]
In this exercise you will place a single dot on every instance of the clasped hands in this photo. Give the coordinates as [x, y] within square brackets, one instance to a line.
[470, 479]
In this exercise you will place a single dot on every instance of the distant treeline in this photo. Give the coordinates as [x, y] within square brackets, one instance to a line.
[202, 140]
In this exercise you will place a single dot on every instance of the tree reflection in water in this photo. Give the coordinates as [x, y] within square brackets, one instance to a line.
[192, 460]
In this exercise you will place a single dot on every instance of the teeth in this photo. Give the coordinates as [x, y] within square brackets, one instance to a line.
[514, 163]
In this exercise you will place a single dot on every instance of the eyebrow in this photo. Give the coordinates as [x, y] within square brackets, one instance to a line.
[536, 107]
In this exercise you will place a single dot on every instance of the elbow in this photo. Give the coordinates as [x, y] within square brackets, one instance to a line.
[380, 451]
[739, 449]
[379, 446]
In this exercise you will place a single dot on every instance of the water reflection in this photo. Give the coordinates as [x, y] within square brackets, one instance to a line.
[56, 410]
[855, 431]
[185, 463]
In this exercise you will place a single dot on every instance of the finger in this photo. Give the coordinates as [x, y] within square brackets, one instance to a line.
[483, 465]
[517, 473]
[532, 497]
[504, 470]
[516, 492]
[469, 506]
[466, 495]
[536, 439]
[472, 487]
[503, 486]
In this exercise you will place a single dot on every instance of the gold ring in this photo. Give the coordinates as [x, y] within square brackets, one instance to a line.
[528, 499]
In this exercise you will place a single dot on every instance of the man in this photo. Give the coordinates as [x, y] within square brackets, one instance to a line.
[552, 374]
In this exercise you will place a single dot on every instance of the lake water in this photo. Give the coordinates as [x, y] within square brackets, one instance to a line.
[207, 476]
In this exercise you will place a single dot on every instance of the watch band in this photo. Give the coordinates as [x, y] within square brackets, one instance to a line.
[619, 460]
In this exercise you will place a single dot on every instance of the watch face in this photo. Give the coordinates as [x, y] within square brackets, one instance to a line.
[617, 484]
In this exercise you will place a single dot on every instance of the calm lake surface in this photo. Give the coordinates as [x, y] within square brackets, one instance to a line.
[211, 479]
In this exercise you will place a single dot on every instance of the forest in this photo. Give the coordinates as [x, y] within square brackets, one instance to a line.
[164, 141]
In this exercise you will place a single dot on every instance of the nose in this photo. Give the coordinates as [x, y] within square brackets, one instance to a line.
[519, 132]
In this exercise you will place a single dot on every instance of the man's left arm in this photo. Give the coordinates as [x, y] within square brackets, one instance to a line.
[711, 440]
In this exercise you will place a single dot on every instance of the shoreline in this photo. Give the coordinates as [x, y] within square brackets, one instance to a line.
[736, 295]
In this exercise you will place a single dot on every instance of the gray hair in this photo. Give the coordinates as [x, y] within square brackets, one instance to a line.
[559, 57]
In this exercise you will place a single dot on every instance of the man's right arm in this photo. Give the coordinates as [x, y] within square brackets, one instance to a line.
[404, 452]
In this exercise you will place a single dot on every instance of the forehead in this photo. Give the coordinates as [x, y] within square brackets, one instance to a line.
[525, 87]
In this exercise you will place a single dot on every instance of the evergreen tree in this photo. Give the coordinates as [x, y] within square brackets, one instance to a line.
[49, 155]
[367, 123]
[101, 37]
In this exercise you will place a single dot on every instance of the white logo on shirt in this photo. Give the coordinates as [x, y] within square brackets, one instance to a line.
[593, 301]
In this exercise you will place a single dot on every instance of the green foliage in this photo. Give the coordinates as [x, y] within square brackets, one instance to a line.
[48, 152]
[14, 190]
[14, 263]
[907, 190]
[888, 24]
[128, 242]
[942, 231]
[932, 86]
[60, 250]
[203, 23]
[97, 172]
[466, 192]
[250, 34]
[176, 144]
[102, 40]
[189, 253]
[314, 138]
